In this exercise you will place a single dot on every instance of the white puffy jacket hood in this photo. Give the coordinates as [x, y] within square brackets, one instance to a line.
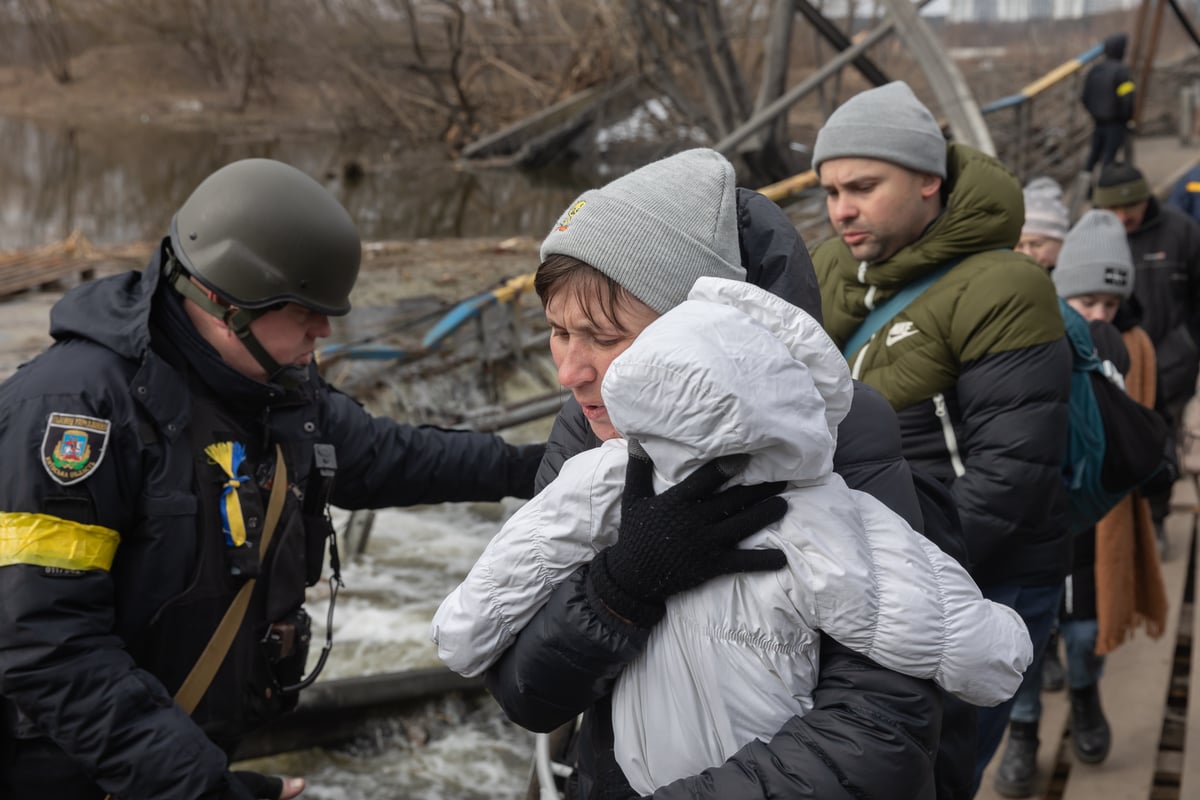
[733, 370]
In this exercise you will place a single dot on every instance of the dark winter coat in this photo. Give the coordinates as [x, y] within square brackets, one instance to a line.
[92, 648]
[871, 734]
[1166, 257]
[1108, 88]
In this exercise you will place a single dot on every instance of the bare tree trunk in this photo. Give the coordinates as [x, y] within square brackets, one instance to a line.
[767, 152]
[461, 125]
[689, 36]
[46, 23]
[256, 68]
[729, 75]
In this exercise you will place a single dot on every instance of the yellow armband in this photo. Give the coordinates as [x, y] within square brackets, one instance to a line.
[46, 541]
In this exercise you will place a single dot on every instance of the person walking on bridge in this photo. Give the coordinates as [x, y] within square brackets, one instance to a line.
[1046, 222]
[168, 463]
[1165, 244]
[1115, 583]
[1108, 95]
[976, 363]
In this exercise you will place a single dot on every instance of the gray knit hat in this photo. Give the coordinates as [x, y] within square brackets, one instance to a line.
[657, 229]
[1045, 214]
[1095, 258]
[888, 123]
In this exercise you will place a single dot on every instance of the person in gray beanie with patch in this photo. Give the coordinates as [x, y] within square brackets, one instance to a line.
[1115, 583]
[1095, 268]
[1046, 222]
[972, 356]
[614, 261]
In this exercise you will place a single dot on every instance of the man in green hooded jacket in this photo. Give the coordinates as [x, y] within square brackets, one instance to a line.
[976, 365]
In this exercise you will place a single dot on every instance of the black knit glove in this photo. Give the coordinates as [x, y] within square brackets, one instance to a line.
[681, 538]
[263, 787]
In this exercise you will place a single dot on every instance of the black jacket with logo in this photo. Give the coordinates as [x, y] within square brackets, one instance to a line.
[90, 659]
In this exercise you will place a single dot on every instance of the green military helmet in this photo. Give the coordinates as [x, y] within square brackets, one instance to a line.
[259, 232]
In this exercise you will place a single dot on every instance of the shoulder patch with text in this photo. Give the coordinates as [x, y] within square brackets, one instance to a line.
[73, 446]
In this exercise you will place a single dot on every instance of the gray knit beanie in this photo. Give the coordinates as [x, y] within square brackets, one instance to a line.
[658, 229]
[1045, 214]
[888, 123]
[1095, 258]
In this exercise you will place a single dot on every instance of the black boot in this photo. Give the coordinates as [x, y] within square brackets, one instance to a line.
[1053, 679]
[1018, 765]
[1090, 735]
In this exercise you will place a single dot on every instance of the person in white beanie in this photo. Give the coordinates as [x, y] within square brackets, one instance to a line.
[972, 355]
[647, 238]
[1046, 222]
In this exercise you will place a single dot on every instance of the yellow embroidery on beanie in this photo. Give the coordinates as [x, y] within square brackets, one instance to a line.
[570, 215]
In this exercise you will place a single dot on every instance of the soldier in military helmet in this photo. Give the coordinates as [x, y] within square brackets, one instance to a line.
[169, 459]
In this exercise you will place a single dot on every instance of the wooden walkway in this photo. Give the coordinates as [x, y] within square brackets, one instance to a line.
[1146, 695]
[1145, 688]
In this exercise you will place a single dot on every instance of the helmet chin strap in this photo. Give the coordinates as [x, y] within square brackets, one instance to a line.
[236, 319]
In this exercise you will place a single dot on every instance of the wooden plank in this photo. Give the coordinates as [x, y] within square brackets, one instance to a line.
[1134, 694]
[21, 276]
[1190, 771]
[1055, 712]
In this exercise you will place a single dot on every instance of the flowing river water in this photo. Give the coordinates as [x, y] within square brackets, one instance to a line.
[122, 186]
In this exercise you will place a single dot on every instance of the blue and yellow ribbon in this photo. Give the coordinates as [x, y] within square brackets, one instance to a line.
[229, 456]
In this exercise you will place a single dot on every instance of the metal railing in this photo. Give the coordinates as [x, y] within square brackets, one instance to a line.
[1043, 129]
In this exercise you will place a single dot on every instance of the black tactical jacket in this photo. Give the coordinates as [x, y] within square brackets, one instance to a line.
[104, 436]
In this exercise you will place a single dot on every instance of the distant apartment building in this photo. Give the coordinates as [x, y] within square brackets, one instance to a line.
[1017, 10]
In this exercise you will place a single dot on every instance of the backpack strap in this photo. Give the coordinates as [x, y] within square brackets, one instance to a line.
[882, 315]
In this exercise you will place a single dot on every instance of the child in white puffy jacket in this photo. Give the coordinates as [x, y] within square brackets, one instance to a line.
[736, 370]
